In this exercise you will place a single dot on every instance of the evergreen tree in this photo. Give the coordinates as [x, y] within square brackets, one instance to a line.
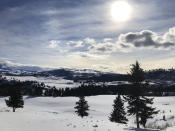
[15, 99]
[118, 114]
[137, 103]
[38, 91]
[82, 107]
[147, 111]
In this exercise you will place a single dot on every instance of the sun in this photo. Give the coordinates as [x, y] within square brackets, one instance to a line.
[121, 11]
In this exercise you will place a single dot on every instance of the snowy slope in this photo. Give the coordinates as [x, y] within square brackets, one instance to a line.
[57, 114]
[58, 82]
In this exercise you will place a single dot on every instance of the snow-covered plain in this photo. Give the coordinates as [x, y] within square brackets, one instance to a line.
[58, 82]
[57, 114]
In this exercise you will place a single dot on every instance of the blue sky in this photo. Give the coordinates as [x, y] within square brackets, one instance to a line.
[83, 34]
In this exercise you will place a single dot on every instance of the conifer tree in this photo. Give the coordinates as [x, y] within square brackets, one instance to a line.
[118, 114]
[15, 99]
[82, 107]
[147, 111]
[137, 103]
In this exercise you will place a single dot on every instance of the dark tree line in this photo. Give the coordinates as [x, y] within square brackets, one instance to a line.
[34, 88]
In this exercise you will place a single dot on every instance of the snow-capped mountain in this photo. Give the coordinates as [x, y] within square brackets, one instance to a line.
[11, 69]
[159, 75]
[66, 73]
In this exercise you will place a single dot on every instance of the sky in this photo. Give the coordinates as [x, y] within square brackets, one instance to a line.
[84, 34]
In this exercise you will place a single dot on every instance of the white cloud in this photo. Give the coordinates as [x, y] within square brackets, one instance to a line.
[50, 12]
[75, 43]
[107, 39]
[170, 35]
[127, 42]
[89, 41]
[53, 44]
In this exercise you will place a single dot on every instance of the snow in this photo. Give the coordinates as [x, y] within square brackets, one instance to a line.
[58, 114]
[58, 82]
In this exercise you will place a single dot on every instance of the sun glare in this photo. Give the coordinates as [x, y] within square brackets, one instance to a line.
[121, 11]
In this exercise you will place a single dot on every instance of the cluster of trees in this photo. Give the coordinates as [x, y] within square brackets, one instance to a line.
[32, 88]
[138, 104]
[161, 74]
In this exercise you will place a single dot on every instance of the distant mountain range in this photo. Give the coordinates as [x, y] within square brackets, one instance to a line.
[83, 74]
[9, 67]
[66, 73]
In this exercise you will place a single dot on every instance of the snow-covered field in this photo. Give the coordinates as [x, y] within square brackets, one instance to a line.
[58, 82]
[57, 114]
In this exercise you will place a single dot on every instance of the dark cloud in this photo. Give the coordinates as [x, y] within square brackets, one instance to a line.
[56, 4]
[104, 47]
[146, 38]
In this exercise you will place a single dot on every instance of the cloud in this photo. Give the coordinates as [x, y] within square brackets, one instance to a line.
[105, 47]
[170, 35]
[89, 40]
[75, 44]
[79, 44]
[107, 39]
[147, 38]
[5, 62]
[53, 44]
[50, 12]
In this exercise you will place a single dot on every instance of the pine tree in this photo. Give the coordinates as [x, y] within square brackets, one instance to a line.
[137, 103]
[118, 114]
[82, 107]
[147, 111]
[15, 98]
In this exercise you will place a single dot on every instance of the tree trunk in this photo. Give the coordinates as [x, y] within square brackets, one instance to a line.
[13, 109]
[137, 120]
[144, 125]
[137, 116]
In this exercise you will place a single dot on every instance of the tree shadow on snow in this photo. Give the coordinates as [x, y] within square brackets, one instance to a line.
[30, 97]
[140, 129]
